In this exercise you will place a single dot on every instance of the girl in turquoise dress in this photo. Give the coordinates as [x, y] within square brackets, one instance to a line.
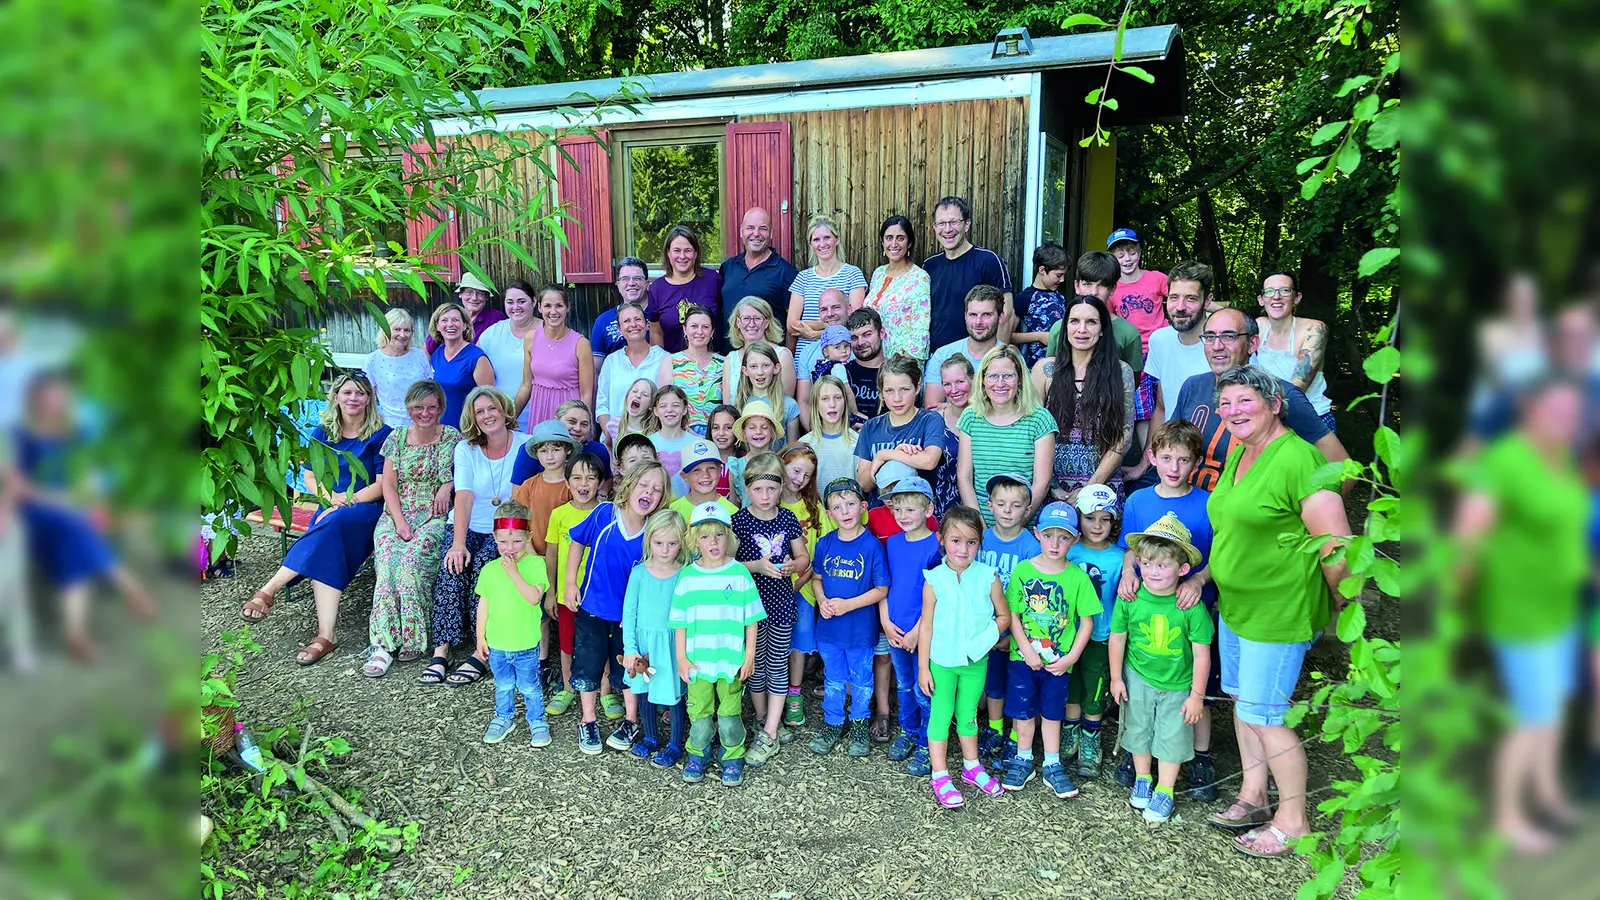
[649, 653]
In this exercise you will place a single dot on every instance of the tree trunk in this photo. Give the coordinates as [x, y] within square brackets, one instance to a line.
[1213, 247]
[1319, 284]
[1271, 231]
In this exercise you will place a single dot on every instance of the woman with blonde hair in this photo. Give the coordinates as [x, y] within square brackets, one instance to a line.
[829, 272]
[752, 322]
[1003, 431]
[396, 365]
[458, 364]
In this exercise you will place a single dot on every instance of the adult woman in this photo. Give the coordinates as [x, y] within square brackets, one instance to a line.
[753, 322]
[695, 368]
[482, 467]
[956, 377]
[503, 341]
[1004, 431]
[1292, 347]
[557, 364]
[1093, 408]
[408, 543]
[458, 365]
[899, 291]
[340, 537]
[1522, 525]
[829, 271]
[637, 359]
[395, 366]
[474, 295]
[685, 286]
[1273, 597]
[904, 432]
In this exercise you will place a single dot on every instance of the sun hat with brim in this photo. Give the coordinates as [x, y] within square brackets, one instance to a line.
[891, 474]
[835, 334]
[472, 281]
[713, 511]
[1167, 528]
[699, 452]
[758, 407]
[1008, 478]
[551, 431]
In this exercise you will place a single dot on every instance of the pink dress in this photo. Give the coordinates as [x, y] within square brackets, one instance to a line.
[553, 366]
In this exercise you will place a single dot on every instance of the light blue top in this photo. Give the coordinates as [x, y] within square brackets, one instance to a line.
[646, 608]
[963, 614]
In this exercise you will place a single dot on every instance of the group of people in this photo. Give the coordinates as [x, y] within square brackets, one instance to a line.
[898, 479]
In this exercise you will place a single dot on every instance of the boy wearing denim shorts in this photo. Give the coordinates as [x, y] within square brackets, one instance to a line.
[1006, 544]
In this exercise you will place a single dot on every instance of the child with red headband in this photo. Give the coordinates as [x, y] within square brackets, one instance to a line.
[510, 595]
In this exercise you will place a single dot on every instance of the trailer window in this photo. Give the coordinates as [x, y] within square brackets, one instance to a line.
[668, 181]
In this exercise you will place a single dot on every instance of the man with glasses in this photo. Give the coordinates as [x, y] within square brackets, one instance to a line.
[758, 271]
[983, 306]
[956, 271]
[633, 282]
[1176, 353]
[1229, 338]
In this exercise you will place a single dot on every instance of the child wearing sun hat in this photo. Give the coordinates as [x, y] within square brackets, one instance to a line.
[759, 429]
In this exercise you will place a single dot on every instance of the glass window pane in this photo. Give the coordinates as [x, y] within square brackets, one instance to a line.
[1053, 225]
[675, 185]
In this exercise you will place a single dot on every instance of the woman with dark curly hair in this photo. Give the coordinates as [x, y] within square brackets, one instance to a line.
[1094, 407]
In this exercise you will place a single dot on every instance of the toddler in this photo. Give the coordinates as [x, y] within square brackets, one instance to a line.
[510, 593]
[650, 656]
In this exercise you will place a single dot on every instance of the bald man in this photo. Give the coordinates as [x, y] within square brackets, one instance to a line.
[759, 271]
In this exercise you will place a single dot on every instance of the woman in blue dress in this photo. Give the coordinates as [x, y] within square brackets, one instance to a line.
[340, 537]
[63, 540]
[458, 364]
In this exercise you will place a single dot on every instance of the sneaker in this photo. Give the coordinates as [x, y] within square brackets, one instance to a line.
[1018, 772]
[694, 771]
[860, 739]
[667, 756]
[794, 710]
[989, 742]
[560, 702]
[623, 736]
[786, 735]
[589, 739]
[539, 735]
[644, 748]
[762, 748]
[1159, 808]
[1069, 741]
[902, 747]
[733, 772]
[1124, 774]
[827, 738]
[980, 778]
[1008, 752]
[1089, 755]
[1143, 787]
[612, 705]
[1055, 778]
[919, 766]
[498, 729]
[1202, 779]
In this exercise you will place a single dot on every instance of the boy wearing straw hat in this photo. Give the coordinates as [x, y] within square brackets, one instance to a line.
[1167, 652]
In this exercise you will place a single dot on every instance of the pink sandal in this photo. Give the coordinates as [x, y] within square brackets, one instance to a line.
[945, 793]
[982, 780]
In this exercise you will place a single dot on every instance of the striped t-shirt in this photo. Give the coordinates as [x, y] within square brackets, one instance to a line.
[998, 449]
[713, 607]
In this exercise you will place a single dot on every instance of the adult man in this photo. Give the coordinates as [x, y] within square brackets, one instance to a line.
[832, 308]
[1230, 337]
[956, 271]
[866, 348]
[1176, 354]
[983, 310]
[758, 271]
[633, 281]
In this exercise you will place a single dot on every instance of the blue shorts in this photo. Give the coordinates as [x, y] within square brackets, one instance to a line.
[998, 673]
[1034, 694]
[1261, 677]
[1538, 678]
[804, 639]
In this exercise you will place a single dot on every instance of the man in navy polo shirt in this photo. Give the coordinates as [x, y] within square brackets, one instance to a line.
[759, 271]
[959, 269]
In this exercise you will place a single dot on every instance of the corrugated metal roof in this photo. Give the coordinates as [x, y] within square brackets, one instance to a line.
[1065, 51]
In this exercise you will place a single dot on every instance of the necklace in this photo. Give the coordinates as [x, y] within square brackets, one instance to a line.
[500, 470]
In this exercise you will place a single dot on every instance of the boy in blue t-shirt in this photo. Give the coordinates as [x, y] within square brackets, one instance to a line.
[1098, 555]
[1175, 450]
[1007, 543]
[911, 553]
[850, 578]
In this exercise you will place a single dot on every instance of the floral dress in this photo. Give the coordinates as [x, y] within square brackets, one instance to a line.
[704, 387]
[904, 305]
[407, 570]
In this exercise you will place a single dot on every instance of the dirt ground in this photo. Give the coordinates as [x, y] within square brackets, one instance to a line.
[508, 820]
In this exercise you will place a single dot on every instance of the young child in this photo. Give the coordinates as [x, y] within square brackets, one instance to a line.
[963, 615]
[584, 475]
[1168, 657]
[758, 429]
[881, 520]
[670, 406]
[636, 412]
[772, 545]
[800, 497]
[760, 379]
[510, 596]
[616, 533]
[1004, 546]
[1052, 614]
[852, 577]
[835, 344]
[1040, 305]
[633, 449]
[830, 434]
[552, 446]
[719, 429]
[910, 554]
[1175, 449]
[1097, 555]
[650, 653]
[715, 608]
[702, 469]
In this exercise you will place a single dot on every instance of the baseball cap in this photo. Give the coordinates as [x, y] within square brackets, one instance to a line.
[1093, 498]
[1121, 234]
[551, 431]
[699, 452]
[913, 484]
[1058, 515]
[712, 511]
[627, 442]
[892, 473]
[843, 486]
[835, 334]
[1007, 478]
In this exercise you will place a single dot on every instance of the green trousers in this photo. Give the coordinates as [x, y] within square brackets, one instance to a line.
[956, 693]
[725, 699]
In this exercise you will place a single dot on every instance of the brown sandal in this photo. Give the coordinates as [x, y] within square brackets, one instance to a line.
[260, 602]
[881, 728]
[1254, 817]
[312, 653]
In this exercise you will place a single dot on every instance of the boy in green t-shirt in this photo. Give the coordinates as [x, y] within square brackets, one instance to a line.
[1053, 604]
[510, 592]
[1163, 687]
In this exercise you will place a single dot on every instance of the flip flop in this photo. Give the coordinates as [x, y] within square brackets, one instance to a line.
[474, 668]
[434, 674]
[259, 602]
[1248, 843]
[312, 653]
[378, 663]
[1255, 816]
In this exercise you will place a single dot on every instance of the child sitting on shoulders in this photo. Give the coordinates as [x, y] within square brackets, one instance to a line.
[1005, 545]
[911, 553]
[851, 578]
[1099, 558]
[650, 656]
[510, 598]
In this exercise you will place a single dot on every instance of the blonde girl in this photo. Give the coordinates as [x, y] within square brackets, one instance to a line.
[649, 655]
[830, 435]
[395, 366]
[758, 430]
[759, 379]
[964, 612]
[670, 406]
[637, 413]
[752, 322]
[801, 498]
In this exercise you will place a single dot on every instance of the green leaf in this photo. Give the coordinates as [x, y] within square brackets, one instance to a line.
[1352, 622]
[1328, 132]
[1359, 554]
[1307, 165]
[1352, 83]
[1387, 444]
[388, 65]
[1375, 259]
[1382, 365]
[300, 371]
[1140, 74]
[1077, 19]
[1311, 185]
[1384, 130]
[1109, 103]
[1386, 573]
[1350, 585]
[1366, 108]
[1092, 97]
[1349, 158]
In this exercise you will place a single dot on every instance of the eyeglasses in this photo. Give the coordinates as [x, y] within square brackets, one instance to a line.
[1000, 377]
[631, 278]
[949, 223]
[1278, 292]
[1226, 338]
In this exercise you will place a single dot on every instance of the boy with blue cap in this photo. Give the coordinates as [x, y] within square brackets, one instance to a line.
[911, 553]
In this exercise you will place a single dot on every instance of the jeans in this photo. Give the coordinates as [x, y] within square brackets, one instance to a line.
[845, 667]
[517, 672]
[913, 703]
[1260, 676]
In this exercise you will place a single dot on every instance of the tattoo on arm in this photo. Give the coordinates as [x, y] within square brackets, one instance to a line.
[1308, 358]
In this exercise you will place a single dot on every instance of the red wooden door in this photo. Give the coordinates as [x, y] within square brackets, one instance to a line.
[760, 173]
[419, 159]
[585, 194]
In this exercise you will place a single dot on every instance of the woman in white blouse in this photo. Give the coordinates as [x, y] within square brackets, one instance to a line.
[395, 366]
[503, 341]
[637, 359]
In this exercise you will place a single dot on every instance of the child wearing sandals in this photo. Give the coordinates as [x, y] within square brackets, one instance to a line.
[510, 606]
[963, 614]
[649, 656]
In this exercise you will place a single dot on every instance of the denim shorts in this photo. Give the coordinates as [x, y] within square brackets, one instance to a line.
[1035, 694]
[1539, 677]
[1261, 677]
[997, 673]
[804, 639]
[595, 642]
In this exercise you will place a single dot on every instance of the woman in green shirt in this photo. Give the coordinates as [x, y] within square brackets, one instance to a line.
[1272, 600]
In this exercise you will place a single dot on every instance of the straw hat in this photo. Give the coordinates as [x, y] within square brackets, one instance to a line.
[1167, 528]
[758, 407]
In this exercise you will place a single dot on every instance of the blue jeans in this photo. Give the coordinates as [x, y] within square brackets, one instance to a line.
[845, 667]
[1261, 677]
[517, 672]
[912, 701]
[1539, 677]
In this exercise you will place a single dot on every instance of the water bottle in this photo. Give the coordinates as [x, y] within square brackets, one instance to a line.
[248, 751]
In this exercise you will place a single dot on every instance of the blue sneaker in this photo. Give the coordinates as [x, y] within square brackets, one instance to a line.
[918, 765]
[902, 748]
[1055, 778]
[645, 748]
[539, 735]
[694, 771]
[1019, 772]
[1124, 774]
[1143, 787]
[733, 773]
[1008, 752]
[989, 742]
[667, 756]
[1160, 808]
[589, 739]
[498, 729]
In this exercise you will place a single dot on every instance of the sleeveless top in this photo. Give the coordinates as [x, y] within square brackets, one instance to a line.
[553, 371]
[964, 629]
[1281, 363]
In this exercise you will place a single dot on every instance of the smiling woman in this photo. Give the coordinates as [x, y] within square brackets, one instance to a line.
[1004, 430]
[1089, 391]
